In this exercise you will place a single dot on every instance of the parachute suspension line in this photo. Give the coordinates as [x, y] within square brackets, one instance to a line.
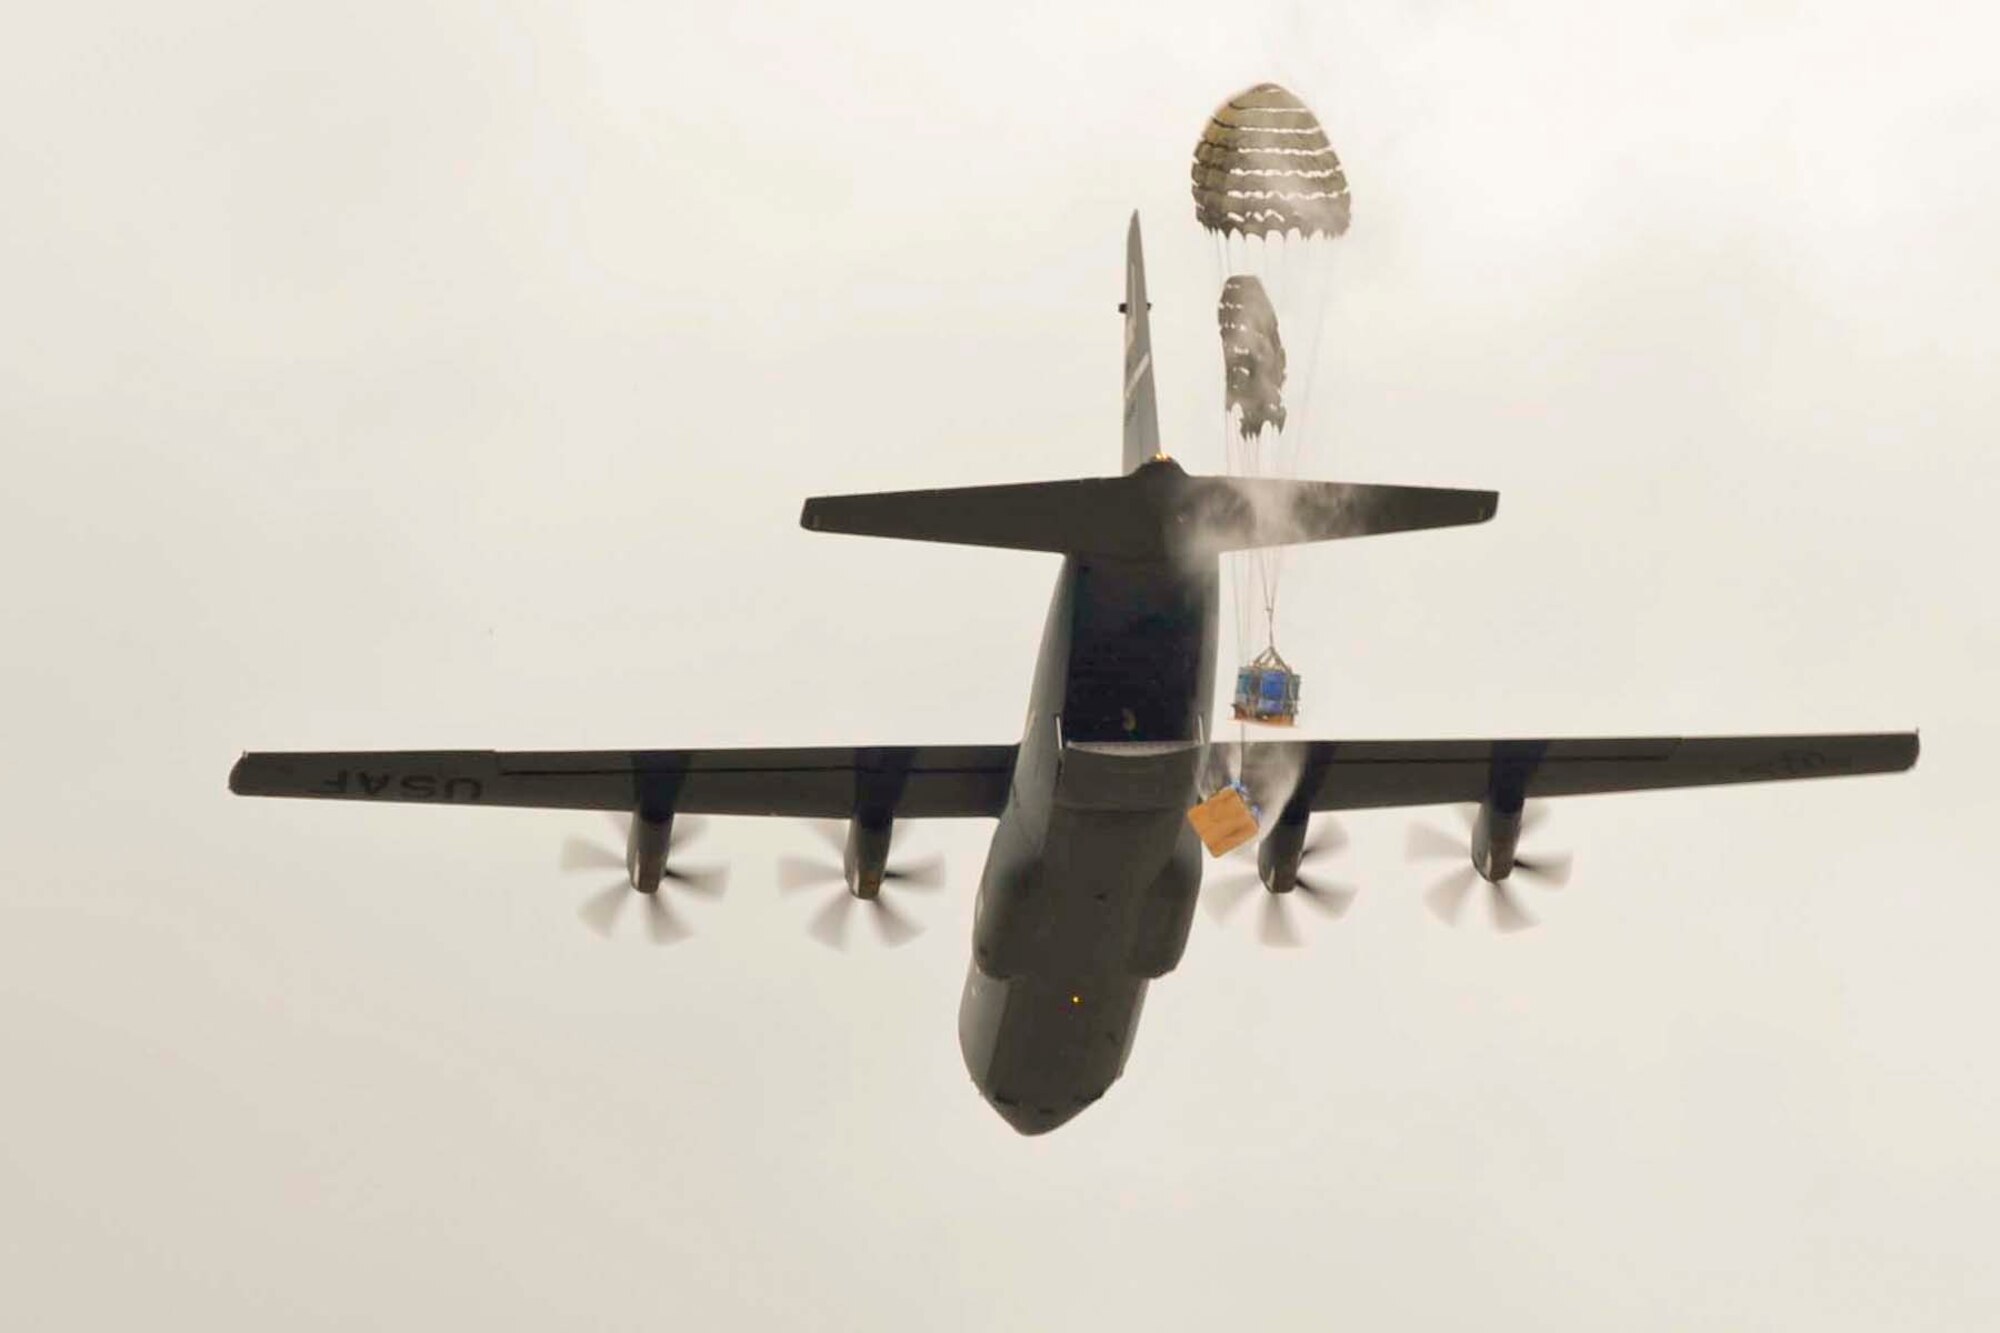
[1319, 278]
[1319, 281]
[1267, 587]
[1241, 453]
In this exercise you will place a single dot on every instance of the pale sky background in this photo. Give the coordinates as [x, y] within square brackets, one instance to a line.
[384, 375]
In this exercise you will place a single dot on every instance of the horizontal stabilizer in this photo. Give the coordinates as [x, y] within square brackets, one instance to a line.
[1157, 513]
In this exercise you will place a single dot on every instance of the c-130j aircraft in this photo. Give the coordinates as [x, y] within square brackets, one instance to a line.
[1089, 889]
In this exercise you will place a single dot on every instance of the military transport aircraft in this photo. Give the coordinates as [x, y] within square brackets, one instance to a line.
[1089, 890]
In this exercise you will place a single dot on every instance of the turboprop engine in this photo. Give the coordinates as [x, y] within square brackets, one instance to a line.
[650, 843]
[1491, 847]
[646, 852]
[864, 845]
[1496, 833]
[1281, 856]
[864, 860]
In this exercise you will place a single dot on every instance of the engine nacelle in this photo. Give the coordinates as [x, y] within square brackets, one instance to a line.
[1278, 856]
[1496, 834]
[865, 860]
[646, 851]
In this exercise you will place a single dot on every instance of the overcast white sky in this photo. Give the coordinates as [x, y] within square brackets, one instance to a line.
[450, 375]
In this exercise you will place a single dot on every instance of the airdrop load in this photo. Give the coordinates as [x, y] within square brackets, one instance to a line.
[1267, 691]
[1226, 820]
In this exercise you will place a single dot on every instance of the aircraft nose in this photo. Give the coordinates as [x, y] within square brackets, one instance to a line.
[1030, 1120]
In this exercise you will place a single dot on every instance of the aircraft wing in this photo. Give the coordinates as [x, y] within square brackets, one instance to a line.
[1358, 775]
[940, 782]
[910, 782]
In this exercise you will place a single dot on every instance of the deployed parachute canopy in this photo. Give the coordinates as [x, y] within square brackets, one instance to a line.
[1263, 165]
[1253, 356]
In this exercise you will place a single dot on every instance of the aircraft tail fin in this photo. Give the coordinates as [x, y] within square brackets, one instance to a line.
[1142, 409]
[1156, 513]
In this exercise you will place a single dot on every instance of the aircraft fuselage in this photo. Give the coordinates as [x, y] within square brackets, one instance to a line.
[1089, 889]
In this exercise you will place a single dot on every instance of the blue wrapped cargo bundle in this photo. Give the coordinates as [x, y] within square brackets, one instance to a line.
[1267, 691]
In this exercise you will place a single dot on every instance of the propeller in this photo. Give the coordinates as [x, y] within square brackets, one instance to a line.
[1277, 925]
[601, 910]
[831, 925]
[1447, 897]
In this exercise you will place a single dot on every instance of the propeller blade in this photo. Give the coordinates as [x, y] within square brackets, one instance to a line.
[831, 832]
[1447, 896]
[707, 881]
[1426, 842]
[1508, 915]
[1551, 871]
[829, 924]
[891, 923]
[1276, 929]
[1228, 895]
[685, 830]
[922, 875]
[1330, 899]
[795, 872]
[1327, 837]
[582, 854]
[661, 923]
[600, 910]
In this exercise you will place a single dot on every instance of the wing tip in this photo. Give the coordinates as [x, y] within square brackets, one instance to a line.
[256, 773]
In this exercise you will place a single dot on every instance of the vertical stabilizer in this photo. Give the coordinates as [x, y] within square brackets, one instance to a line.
[1142, 412]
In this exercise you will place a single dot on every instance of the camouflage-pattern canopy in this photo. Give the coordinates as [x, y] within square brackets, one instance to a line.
[1264, 167]
[1253, 355]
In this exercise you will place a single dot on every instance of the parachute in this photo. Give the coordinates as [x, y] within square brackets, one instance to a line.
[1270, 190]
[1253, 357]
[1263, 167]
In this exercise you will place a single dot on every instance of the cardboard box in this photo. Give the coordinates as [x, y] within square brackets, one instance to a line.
[1224, 821]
